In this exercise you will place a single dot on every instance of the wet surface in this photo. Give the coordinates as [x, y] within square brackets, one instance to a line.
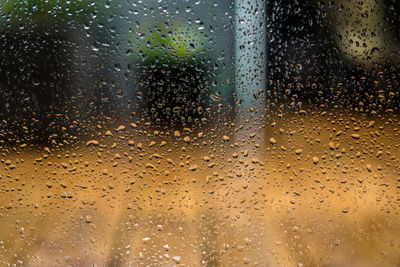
[317, 189]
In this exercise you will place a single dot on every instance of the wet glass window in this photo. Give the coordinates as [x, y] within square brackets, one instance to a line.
[199, 133]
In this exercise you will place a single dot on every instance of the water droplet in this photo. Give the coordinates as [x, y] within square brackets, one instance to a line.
[176, 259]
[225, 138]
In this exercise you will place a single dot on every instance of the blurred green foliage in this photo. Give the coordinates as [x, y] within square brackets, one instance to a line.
[177, 44]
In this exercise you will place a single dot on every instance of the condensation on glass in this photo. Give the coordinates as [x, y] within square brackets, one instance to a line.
[199, 133]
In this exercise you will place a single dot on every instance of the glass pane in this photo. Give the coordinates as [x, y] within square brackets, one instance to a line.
[199, 133]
